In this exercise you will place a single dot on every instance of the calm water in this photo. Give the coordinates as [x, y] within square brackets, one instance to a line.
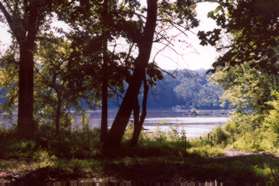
[167, 121]
[157, 120]
[193, 127]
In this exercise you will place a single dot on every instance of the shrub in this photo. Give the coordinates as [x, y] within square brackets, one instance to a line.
[44, 159]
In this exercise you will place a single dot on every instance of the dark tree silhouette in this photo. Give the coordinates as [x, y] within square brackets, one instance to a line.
[24, 19]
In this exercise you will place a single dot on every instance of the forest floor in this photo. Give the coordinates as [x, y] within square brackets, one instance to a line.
[162, 158]
[233, 168]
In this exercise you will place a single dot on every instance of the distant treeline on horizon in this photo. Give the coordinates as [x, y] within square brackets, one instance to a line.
[184, 89]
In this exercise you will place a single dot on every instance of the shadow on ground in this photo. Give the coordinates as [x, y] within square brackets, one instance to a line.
[249, 169]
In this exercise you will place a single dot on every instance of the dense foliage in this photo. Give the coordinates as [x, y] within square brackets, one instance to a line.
[186, 89]
[248, 72]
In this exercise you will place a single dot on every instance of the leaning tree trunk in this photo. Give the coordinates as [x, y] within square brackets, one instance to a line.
[122, 118]
[136, 113]
[26, 126]
[139, 124]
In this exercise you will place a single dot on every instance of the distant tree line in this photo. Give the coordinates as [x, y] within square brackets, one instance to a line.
[182, 89]
[185, 89]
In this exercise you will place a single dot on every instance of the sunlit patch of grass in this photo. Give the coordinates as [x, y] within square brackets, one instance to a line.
[206, 151]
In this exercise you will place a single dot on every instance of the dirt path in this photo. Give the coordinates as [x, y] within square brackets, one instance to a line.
[235, 153]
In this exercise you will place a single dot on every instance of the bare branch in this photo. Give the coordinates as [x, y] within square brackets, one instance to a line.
[6, 13]
[159, 51]
[129, 53]
[12, 24]
[169, 45]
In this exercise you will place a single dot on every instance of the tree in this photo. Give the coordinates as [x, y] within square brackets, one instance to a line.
[253, 27]
[248, 69]
[105, 15]
[54, 91]
[8, 80]
[180, 11]
[196, 90]
[91, 38]
[247, 89]
[145, 45]
[24, 19]
[126, 21]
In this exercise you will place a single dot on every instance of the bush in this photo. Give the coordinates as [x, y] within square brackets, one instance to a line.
[272, 119]
[79, 143]
[245, 131]
[166, 140]
[68, 144]
[44, 159]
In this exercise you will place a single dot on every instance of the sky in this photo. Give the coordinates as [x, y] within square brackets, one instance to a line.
[188, 54]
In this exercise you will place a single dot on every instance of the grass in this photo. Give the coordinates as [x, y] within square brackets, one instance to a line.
[160, 156]
[252, 169]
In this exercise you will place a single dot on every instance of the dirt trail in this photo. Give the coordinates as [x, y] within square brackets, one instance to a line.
[234, 153]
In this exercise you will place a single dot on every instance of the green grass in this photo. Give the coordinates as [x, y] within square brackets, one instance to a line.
[160, 156]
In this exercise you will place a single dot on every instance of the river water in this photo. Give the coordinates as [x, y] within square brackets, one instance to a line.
[156, 120]
[167, 121]
[192, 126]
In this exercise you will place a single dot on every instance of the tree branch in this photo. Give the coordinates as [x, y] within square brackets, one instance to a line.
[11, 22]
[6, 13]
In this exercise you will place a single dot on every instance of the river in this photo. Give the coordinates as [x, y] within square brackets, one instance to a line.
[168, 120]
[157, 120]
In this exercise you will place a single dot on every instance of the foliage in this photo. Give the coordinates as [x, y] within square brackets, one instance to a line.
[55, 93]
[8, 80]
[271, 120]
[246, 88]
[253, 27]
[187, 89]
[207, 151]
[248, 72]
[69, 144]
[244, 132]
[44, 159]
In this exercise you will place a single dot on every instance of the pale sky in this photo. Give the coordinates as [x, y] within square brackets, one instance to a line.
[192, 55]
[186, 56]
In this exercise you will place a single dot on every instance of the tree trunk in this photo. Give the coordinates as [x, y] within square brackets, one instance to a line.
[58, 117]
[26, 127]
[104, 117]
[122, 118]
[136, 112]
[138, 127]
